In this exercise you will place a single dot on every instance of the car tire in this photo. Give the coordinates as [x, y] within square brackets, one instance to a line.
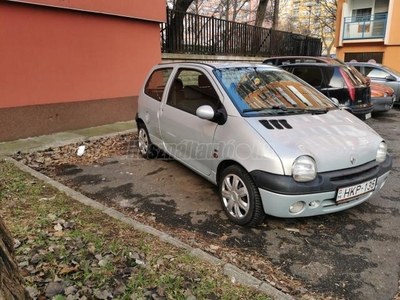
[240, 197]
[146, 148]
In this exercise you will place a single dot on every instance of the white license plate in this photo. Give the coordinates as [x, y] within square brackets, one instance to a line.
[354, 191]
[367, 116]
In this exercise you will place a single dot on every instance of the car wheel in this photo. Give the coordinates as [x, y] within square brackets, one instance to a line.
[146, 149]
[240, 197]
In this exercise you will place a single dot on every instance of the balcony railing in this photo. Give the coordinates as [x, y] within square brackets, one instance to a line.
[365, 27]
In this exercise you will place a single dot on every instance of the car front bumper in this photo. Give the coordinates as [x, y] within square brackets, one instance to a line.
[279, 194]
[382, 104]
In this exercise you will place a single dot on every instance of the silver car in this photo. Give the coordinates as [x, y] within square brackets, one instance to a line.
[380, 74]
[271, 143]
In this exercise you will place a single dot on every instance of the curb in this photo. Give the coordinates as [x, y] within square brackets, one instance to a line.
[235, 273]
[69, 141]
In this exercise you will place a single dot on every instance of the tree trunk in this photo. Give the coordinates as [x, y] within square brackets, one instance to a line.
[11, 286]
[260, 15]
[275, 21]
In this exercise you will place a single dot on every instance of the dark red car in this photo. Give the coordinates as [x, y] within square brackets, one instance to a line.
[337, 81]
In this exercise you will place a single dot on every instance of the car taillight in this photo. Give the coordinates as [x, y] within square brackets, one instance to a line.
[350, 86]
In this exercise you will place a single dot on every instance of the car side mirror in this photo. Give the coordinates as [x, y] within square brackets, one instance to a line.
[336, 101]
[390, 78]
[206, 112]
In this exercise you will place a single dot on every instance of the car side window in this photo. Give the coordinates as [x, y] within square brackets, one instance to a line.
[155, 85]
[334, 78]
[375, 73]
[312, 76]
[360, 69]
[190, 90]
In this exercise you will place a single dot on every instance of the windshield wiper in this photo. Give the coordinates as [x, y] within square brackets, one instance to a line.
[284, 108]
[315, 111]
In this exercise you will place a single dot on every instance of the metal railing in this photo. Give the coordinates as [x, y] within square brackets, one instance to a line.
[194, 34]
[365, 27]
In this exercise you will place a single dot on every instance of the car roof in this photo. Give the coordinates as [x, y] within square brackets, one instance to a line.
[323, 59]
[311, 64]
[220, 65]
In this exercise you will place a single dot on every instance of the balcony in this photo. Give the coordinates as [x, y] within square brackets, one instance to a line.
[365, 27]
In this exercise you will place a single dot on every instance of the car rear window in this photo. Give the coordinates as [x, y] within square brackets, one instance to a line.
[351, 76]
[155, 85]
[334, 78]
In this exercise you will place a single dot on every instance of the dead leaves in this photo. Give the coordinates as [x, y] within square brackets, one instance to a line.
[94, 151]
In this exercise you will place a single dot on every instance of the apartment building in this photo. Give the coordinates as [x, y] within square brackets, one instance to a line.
[366, 30]
[239, 11]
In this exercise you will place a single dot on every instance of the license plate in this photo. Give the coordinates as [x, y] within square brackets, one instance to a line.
[354, 191]
[367, 116]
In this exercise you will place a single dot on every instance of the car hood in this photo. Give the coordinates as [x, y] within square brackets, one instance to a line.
[379, 90]
[336, 140]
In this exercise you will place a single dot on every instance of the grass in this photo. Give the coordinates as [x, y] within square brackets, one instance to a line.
[95, 256]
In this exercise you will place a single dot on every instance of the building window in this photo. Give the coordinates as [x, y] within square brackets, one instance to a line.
[360, 15]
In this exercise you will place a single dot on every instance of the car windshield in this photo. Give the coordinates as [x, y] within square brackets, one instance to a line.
[391, 70]
[256, 90]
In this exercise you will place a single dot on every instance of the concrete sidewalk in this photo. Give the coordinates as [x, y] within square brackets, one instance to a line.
[66, 137]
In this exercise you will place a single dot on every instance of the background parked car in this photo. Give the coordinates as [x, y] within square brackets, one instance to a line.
[382, 97]
[381, 74]
[337, 81]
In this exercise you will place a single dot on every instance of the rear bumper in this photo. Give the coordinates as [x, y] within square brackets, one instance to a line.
[361, 110]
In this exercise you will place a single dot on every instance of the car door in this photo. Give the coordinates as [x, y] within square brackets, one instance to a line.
[150, 103]
[187, 137]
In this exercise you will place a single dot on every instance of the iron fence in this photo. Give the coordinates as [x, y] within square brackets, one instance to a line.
[194, 34]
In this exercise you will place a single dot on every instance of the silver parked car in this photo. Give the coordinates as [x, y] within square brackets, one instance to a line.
[380, 74]
[270, 142]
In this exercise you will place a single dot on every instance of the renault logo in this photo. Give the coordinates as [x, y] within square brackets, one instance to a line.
[352, 159]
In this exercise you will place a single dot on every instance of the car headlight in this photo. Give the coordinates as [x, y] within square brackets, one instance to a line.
[381, 153]
[304, 169]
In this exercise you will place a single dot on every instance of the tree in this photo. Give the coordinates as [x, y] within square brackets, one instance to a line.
[261, 10]
[275, 18]
[182, 5]
[326, 21]
[11, 286]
